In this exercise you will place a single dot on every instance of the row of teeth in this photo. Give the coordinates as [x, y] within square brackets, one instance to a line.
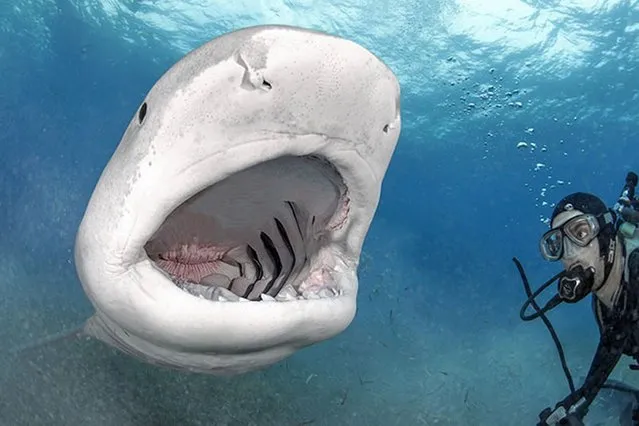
[221, 294]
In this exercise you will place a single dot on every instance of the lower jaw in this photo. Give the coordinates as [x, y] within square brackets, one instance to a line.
[218, 364]
[165, 326]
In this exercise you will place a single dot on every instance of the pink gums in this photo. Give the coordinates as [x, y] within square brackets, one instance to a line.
[340, 218]
[191, 262]
[185, 248]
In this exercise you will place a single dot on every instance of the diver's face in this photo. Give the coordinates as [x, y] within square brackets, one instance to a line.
[573, 255]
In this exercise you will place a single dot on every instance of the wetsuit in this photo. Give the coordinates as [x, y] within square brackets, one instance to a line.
[619, 335]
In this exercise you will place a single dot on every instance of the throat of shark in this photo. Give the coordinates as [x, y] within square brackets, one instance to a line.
[264, 234]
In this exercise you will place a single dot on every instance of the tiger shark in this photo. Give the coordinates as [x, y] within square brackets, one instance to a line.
[225, 232]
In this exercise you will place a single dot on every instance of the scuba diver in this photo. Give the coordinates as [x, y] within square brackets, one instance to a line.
[599, 250]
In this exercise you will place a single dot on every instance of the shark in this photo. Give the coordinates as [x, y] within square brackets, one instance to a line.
[225, 232]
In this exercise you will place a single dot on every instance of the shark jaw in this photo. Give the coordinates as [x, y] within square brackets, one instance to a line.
[226, 230]
[241, 274]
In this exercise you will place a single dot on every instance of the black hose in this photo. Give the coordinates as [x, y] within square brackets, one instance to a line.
[556, 300]
[541, 313]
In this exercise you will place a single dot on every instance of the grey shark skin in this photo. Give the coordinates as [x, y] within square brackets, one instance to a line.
[260, 154]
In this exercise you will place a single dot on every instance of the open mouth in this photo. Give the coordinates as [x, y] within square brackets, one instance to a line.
[263, 234]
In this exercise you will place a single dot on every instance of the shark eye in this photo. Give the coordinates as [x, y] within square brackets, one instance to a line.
[142, 113]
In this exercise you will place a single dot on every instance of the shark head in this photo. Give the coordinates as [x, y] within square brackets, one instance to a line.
[225, 232]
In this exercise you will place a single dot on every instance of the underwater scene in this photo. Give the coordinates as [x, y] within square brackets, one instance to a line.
[294, 212]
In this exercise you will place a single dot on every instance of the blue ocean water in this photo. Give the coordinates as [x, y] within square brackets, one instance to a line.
[437, 338]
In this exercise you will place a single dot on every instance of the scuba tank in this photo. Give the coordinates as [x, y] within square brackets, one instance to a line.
[629, 232]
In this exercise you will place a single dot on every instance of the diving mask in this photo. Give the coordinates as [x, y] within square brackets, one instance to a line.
[581, 230]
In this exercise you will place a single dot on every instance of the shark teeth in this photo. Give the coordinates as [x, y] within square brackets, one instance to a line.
[267, 298]
[288, 293]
